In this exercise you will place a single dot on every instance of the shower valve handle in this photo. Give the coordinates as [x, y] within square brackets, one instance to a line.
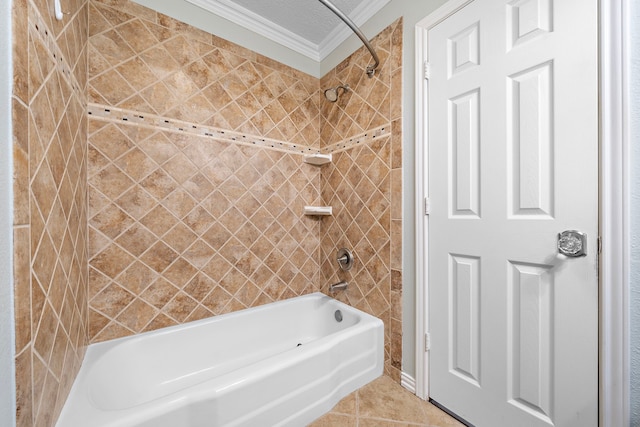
[345, 259]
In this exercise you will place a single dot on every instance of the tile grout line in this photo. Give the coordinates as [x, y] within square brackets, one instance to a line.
[358, 408]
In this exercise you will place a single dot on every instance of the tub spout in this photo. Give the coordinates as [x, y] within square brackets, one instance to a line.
[340, 286]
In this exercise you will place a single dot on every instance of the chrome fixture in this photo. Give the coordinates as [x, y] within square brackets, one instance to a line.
[345, 259]
[332, 93]
[340, 286]
[371, 69]
[572, 243]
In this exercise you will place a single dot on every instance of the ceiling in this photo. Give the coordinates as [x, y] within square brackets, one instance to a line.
[305, 26]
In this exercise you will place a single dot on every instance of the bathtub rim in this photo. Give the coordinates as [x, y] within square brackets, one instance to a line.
[100, 348]
[175, 400]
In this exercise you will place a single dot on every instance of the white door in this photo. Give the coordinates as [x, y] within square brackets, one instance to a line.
[513, 161]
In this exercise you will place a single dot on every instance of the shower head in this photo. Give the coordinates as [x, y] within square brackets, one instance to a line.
[332, 93]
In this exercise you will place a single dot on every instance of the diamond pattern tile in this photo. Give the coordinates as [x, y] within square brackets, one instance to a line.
[361, 221]
[187, 75]
[180, 237]
[50, 188]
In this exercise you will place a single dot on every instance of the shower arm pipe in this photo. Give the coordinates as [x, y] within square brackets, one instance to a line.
[371, 69]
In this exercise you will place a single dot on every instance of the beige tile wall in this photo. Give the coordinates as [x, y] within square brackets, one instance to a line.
[185, 224]
[50, 206]
[184, 227]
[364, 186]
[144, 61]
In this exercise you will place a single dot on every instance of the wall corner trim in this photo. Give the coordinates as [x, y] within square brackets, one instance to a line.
[7, 319]
[614, 214]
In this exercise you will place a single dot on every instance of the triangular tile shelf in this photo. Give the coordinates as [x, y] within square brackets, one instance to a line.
[318, 210]
[317, 159]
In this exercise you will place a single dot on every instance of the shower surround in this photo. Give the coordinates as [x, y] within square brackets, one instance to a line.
[364, 186]
[190, 223]
[124, 226]
[197, 184]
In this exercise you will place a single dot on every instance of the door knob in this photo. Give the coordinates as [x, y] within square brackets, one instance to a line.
[572, 243]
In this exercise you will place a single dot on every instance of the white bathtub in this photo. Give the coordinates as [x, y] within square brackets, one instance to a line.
[280, 364]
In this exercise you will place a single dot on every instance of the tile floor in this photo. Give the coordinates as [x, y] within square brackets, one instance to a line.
[384, 403]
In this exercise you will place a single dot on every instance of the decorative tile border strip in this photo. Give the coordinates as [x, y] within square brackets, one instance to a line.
[362, 139]
[119, 115]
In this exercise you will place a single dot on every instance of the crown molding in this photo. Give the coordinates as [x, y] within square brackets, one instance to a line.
[251, 21]
[359, 16]
[256, 23]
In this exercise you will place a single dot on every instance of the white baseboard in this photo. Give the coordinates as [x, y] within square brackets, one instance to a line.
[408, 382]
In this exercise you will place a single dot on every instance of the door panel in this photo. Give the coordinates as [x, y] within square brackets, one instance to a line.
[530, 117]
[513, 146]
[465, 314]
[465, 160]
[529, 330]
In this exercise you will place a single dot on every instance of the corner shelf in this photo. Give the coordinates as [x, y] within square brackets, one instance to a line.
[317, 159]
[318, 210]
